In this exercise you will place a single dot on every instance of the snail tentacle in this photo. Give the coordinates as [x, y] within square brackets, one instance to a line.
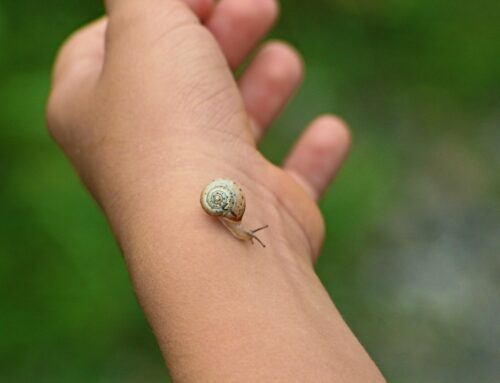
[225, 199]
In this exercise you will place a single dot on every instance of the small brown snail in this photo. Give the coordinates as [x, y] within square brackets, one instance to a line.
[225, 199]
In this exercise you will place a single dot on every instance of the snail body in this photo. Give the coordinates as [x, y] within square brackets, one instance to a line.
[225, 199]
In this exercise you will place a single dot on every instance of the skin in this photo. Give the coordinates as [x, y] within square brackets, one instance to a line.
[145, 106]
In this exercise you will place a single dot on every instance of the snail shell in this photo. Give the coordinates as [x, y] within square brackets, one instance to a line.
[224, 199]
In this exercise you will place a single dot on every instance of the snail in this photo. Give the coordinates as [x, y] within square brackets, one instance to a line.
[225, 199]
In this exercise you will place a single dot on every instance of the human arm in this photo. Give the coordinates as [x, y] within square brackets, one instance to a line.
[152, 115]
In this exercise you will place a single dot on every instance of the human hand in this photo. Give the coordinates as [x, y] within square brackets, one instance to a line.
[146, 107]
[147, 100]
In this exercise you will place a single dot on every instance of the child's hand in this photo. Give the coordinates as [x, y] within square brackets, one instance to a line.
[147, 101]
[145, 105]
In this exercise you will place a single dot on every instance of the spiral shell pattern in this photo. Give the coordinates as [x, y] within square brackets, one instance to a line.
[223, 198]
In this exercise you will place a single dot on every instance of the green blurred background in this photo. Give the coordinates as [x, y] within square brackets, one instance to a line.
[413, 223]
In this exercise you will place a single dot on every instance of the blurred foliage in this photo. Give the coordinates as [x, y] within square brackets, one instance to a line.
[411, 252]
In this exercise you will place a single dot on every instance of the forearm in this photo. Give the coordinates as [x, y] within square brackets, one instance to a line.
[224, 310]
[152, 116]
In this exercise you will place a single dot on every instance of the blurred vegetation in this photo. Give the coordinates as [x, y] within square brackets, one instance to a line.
[412, 247]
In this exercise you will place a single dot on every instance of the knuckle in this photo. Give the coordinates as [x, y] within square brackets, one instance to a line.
[53, 114]
[82, 44]
[64, 55]
[59, 114]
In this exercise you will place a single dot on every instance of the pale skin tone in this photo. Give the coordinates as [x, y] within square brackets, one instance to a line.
[146, 108]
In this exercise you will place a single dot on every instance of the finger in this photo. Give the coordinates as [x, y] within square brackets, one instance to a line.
[269, 83]
[83, 53]
[238, 25]
[318, 154]
[202, 8]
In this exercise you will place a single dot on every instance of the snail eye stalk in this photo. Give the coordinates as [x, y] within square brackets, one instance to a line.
[225, 199]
